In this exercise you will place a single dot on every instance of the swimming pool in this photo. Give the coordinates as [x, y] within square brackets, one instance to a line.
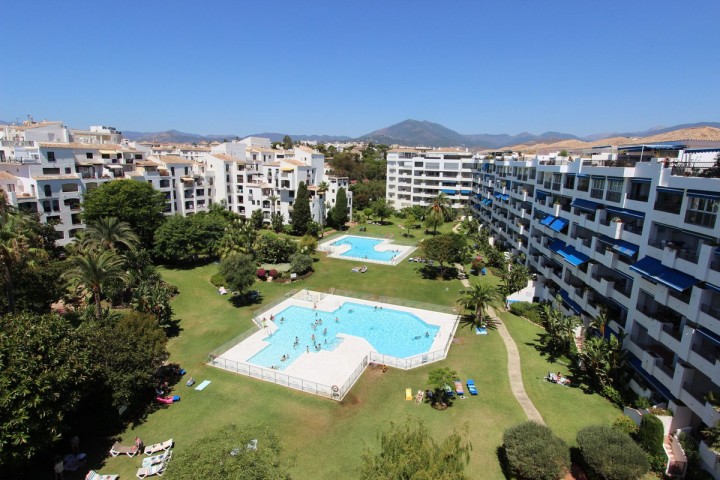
[390, 332]
[364, 248]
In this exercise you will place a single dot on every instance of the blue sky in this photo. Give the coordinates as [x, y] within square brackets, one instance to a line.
[340, 67]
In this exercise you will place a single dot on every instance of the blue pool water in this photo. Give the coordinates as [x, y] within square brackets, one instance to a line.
[390, 332]
[363, 248]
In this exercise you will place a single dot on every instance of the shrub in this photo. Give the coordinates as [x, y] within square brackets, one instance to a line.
[612, 394]
[642, 403]
[300, 263]
[273, 273]
[625, 424]
[712, 437]
[261, 273]
[307, 245]
[694, 469]
[218, 280]
[651, 436]
[528, 310]
[612, 454]
[534, 452]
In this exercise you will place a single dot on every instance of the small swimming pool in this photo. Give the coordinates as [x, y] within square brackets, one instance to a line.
[364, 248]
[305, 330]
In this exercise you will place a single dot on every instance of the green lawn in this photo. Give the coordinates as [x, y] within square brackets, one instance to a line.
[326, 437]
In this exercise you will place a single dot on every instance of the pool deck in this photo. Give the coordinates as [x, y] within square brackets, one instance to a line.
[333, 367]
[387, 244]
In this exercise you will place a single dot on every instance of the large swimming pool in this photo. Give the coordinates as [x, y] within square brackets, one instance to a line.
[364, 248]
[300, 330]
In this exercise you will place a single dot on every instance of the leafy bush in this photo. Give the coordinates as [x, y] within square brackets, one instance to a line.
[270, 248]
[531, 311]
[307, 245]
[218, 280]
[625, 424]
[642, 403]
[651, 436]
[712, 437]
[694, 469]
[272, 273]
[612, 394]
[534, 452]
[261, 273]
[300, 263]
[660, 411]
[612, 454]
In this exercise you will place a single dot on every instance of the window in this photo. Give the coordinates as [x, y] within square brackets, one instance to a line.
[106, 156]
[556, 179]
[598, 187]
[89, 155]
[614, 191]
[51, 171]
[669, 201]
[701, 211]
[138, 156]
[569, 181]
[68, 170]
[51, 156]
[583, 184]
[48, 190]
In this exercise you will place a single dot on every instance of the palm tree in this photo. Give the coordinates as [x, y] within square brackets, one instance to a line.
[478, 298]
[273, 200]
[438, 211]
[17, 237]
[322, 188]
[108, 233]
[93, 270]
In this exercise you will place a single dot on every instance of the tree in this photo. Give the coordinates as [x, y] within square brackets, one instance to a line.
[611, 454]
[239, 271]
[136, 203]
[605, 360]
[322, 189]
[439, 379]
[438, 211]
[44, 370]
[254, 452]
[340, 211]
[382, 209]
[308, 245]
[239, 236]
[651, 435]
[478, 298]
[126, 354]
[109, 233]
[408, 451]
[287, 142]
[300, 263]
[256, 219]
[514, 278]
[300, 216]
[153, 297]
[93, 270]
[533, 452]
[447, 248]
[366, 192]
[270, 248]
[276, 222]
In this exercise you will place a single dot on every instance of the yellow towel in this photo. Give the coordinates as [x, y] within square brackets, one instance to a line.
[408, 394]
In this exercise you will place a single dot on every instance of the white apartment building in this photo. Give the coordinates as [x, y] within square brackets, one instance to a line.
[634, 235]
[416, 176]
[50, 178]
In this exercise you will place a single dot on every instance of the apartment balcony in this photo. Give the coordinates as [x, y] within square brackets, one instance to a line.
[709, 317]
[610, 229]
[699, 406]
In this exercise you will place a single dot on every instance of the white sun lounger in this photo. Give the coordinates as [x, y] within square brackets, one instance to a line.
[118, 449]
[158, 447]
[93, 475]
[157, 469]
[163, 457]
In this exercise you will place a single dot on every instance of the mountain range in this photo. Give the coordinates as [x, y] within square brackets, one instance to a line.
[414, 133]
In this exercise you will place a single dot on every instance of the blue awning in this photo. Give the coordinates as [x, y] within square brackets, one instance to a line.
[466, 192]
[625, 211]
[654, 270]
[669, 190]
[547, 220]
[586, 205]
[712, 287]
[505, 197]
[569, 253]
[541, 195]
[626, 248]
[701, 194]
[654, 382]
[640, 180]
[449, 192]
[478, 195]
[559, 224]
[497, 195]
[572, 304]
[583, 175]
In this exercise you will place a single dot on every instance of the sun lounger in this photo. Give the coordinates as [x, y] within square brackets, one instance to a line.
[471, 386]
[408, 394]
[158, 447]
[155, 459]
[459, 388]
[157, 469]
[419, 397]
[93, 475]
[363, 269]
[449, 391]
[118, 449]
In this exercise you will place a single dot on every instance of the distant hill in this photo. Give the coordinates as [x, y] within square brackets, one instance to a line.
[174, 136]
[414, 132]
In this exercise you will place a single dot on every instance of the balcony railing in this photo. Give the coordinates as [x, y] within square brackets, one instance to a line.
[710, 310]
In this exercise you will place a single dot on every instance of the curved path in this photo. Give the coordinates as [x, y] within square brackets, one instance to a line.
[514, 370]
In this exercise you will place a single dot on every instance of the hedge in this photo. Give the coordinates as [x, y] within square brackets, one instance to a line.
[612, 454]
[533, 452]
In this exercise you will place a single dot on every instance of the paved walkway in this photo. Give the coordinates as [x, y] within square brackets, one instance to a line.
[514, 371]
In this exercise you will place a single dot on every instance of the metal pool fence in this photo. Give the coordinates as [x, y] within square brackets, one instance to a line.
[333, 392]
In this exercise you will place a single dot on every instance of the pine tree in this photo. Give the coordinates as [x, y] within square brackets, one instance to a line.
[339, 213]
[300, 216]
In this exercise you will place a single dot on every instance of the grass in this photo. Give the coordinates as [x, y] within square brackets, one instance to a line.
[327, 438]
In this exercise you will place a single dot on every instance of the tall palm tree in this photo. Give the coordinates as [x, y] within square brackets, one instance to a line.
[273, 200]
[108, 233]
[478, 298]
[322, 188]
[438, 211]
[93, 270]
[16, 246]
